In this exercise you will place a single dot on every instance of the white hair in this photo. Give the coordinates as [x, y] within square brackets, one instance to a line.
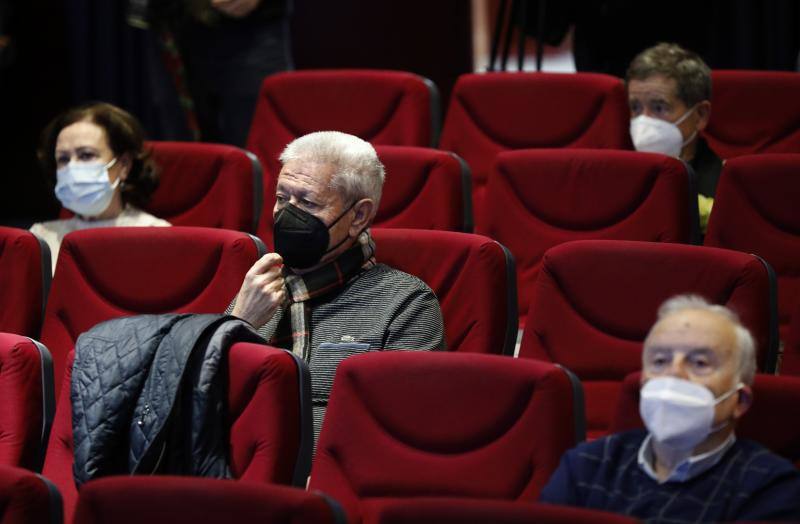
[744, 340]
[358, 173]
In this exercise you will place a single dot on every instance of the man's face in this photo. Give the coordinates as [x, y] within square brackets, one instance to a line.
[306, 185]
[657, 97]
[699, 346]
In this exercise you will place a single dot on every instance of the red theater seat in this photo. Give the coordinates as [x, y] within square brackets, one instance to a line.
[105, 273]
[595, 300]
[27, 498]
[776, 402]
[25, 270]
[757, 210]
[208, 185]
[474, 511]
[181, 500]
[269, 410]
[381, 107]
[406, 424]
[494, 112]
[28, 401]
[471, 275]
[536, 199]
[754, 112]
[424, 189]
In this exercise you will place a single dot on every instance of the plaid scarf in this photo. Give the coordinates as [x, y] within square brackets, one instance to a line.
[330, 277]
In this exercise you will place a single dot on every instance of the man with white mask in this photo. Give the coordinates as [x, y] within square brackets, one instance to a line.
[669, 94]
[698, 364]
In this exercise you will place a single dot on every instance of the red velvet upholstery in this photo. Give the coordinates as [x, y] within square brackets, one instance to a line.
[24, 281]
[790, 363]
[105, 273]
[474, 511]
[382, 107]
[494, 112]
[424, 189]
[595, 301]
[757, 210]
[410, 424]
[27, 498]
[540, 198]
[472, 276]
[181, 500]
[771, 420]
[754, 112]
[209, 185]
[26, 409]
[265, 419]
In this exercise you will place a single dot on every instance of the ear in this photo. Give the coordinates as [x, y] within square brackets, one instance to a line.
[744, 402]
[703, 114]
[125, 163]
[364, 212]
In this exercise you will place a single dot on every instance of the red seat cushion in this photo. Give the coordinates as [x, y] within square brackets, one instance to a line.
[769, 120]
[537, 199]
[471, 275]
[25, 498]
[424, 189]
[494, 112]
[106, 273]
[595, 300]
[411, 424]
[24, 279]
[381, 107]
[756, 211]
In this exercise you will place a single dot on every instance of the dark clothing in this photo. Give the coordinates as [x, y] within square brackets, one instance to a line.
[148, 394]
[748, 483]
[707, 167]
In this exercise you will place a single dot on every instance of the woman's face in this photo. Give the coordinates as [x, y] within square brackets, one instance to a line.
[86, 142]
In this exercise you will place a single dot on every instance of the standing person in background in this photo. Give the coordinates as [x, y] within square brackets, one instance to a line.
[669, 93]
[210, 57]
[103, 173]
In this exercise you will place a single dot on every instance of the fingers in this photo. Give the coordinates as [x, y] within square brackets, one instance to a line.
[265, 263]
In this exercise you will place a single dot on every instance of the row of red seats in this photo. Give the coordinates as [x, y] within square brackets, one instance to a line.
[410, 430]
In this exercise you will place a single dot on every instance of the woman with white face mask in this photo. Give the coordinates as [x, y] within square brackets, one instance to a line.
[102, 173]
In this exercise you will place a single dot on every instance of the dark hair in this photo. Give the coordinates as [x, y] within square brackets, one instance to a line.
[691, 74]
[125, 136]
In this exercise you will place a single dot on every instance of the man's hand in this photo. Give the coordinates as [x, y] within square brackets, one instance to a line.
[235, 8]
[262, 291]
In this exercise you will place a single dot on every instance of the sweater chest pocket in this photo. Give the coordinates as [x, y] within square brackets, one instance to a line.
[324, 362]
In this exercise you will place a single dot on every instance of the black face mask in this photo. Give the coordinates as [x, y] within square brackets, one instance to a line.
[301, 239]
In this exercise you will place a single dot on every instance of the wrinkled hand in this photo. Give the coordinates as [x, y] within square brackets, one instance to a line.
[235, 8]
[262, 291]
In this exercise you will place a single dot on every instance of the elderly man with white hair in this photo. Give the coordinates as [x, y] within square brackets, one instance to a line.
[321, 293]
[698, 365]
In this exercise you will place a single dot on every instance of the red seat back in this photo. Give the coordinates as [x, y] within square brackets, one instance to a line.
[105, 273]
[424, 189]
[381, 107]
[769, 120]
[476, 511]
[471, 275]
[757, 210]
[26, 390]
[27, 498]
[25, 270]
[776, 400]
[494, 112]
[269, 415]
[182, 500]
[406, 424]
[595, 300]
[537, 199]
[208, 185]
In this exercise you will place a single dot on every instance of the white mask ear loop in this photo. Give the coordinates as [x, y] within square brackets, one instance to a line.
[724, 396]
[680, 121]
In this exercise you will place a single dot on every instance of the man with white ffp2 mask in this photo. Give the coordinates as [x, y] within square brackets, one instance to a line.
[698, 364]
[669, 94]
